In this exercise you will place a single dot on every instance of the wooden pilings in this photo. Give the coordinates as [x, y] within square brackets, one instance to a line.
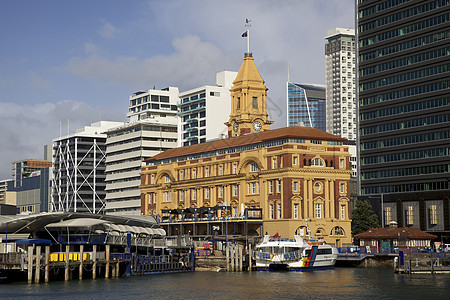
[30, 263]
[94, 260]
[38, 264]
[108, 247]
[234, 258]
[47, 263]
[66, 265]
[80, 273]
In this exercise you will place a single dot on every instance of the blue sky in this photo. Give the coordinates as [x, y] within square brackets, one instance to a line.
[80, 60]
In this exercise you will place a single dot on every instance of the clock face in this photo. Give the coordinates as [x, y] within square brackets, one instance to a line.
[235, 126]
[257, 125]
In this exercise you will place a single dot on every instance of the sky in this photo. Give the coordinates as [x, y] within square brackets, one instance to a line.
[67, 64]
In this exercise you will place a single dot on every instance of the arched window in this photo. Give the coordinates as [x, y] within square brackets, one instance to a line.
[337, 231]
[317, 162]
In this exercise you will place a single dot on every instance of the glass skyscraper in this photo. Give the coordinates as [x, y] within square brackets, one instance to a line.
[404, 110]
[306, 105]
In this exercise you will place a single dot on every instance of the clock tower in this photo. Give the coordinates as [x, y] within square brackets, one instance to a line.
[248, 101]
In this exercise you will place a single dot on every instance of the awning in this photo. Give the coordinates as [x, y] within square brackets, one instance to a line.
[76, 223]
[14, 236]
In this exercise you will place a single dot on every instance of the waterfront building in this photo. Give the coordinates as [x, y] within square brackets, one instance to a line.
[258, 180]
[78, 183]
[203, 110]
[306, 105]
[151, 128]
[340, 83]
[386, 240]
[404, 111]
[6, 195]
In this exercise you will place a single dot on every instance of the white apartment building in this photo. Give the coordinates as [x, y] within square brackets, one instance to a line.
[204, 110]
[151, 129]
[341, 82]
[79, 169]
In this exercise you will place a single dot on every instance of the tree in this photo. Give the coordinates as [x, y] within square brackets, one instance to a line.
[363, 217]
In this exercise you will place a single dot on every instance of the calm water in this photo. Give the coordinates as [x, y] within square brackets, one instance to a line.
[342, 283]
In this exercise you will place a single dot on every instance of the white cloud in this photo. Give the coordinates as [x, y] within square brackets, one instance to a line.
[38, 81]
[27, 128]
[107, 30]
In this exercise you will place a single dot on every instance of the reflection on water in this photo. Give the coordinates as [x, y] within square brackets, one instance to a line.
[343, 283]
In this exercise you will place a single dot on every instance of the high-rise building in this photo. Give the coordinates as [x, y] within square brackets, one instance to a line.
[340, 82]
[79, 169]
[306, 105]
[202, 111]
[404, 111]
[152, 128]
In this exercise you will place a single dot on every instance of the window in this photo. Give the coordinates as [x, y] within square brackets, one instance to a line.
[235, 169]
[239, 103]
[166, 196]
[295, 211]
[207, 172]
[433, 214]
[181, 175]
[253, 187]
[194, 173]
[270, 187]
[295, 186]
[255, 102]
[294, 160]
[341, 163]
[279, 211]
[409, 215]
[235, 190]
[167, 178]
[206, 193]
[342, 188]
[279, 186]
[318, 186]
[271, 211]
[181, 195]
[342, 212]
[387, 215]
[220, 170]
[220, 191]
[274, 163]
[253, 167]
[317, 162]
[153, 179]
[318, 211]
[194, 194]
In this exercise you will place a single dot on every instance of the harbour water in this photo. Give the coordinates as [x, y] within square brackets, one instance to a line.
[340, 283]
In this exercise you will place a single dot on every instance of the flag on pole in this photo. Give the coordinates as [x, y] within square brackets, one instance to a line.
[244, 34]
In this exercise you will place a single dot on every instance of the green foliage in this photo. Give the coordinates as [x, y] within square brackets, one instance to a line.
[363, 217]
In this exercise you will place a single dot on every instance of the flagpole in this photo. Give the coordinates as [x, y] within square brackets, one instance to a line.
[248, 40]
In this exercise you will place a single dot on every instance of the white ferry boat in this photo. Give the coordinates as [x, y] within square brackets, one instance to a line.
[294, 255]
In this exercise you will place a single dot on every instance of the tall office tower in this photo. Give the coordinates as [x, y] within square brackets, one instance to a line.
[152, 128]
[340, 78]
[79, 169]
[306, 105]
[404, 111]
[204, 110]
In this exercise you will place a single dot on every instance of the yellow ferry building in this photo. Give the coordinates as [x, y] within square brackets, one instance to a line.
[256, 181]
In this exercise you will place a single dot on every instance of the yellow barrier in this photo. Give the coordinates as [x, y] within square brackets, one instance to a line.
[73, 256]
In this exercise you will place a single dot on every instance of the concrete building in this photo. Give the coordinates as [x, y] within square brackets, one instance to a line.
[258, 180]
[340, 76]
[79, 169]
[404, 112]
[202, 111]
[306, 105]
[152, 128]
[6, 195]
